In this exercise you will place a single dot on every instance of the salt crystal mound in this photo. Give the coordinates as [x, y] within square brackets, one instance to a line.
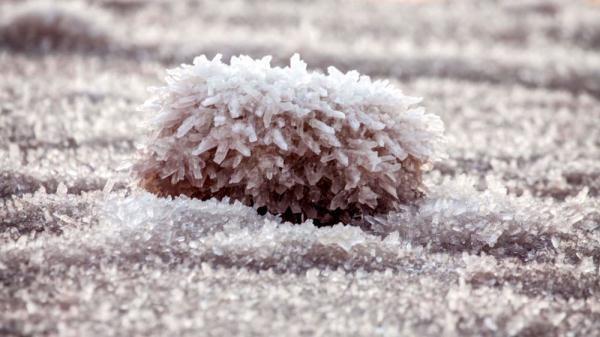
[46, 26]
[300, 144]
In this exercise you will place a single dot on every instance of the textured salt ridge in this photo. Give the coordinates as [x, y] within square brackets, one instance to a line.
[455, 218]
[148, 229]
[459, 217]
[301, 144]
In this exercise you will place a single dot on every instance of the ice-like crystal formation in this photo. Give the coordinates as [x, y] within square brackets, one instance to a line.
[301, 144]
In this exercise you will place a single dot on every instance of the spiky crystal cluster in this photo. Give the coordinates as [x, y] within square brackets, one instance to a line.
[300, 144]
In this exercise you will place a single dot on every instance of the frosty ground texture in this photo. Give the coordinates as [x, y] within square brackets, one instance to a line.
[506, 243]
[304, 145]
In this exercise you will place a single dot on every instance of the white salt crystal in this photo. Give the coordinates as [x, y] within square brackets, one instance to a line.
[61, 189]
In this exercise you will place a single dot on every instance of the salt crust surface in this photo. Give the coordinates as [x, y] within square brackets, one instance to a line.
[516, 252]
[331, 147]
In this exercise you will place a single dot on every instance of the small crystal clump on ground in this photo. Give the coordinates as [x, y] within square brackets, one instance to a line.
[329, 147]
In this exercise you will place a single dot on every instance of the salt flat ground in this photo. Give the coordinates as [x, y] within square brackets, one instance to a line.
[507, 243]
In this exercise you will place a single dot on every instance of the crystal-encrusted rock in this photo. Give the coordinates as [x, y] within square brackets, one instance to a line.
[301, 144]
